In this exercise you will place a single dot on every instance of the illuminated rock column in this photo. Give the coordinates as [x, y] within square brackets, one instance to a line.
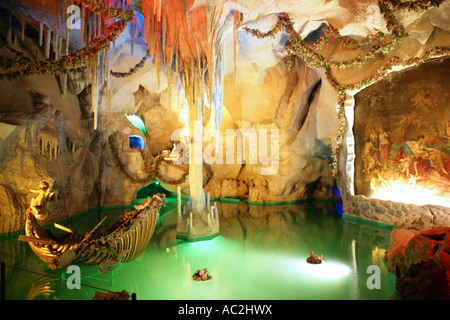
[198, 221]
[196, 157]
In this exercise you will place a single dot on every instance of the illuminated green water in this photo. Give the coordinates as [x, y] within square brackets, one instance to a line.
[260, 254]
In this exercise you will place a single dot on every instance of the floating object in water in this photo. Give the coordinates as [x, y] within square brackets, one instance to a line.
[123, 241]
[312, 259]
[201, 275]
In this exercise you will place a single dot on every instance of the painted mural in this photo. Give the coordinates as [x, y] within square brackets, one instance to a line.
[402, 131]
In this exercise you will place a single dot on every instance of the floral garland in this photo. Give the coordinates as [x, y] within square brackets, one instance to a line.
[153, 171]
[296, 47]
[342, 88]
[99, 7]
[122, 167]
[340, 134]
[393, 62]
[124, 225]
[9, 63]
[27, 66]
[312, 259]
[72, 62]
[133, 70]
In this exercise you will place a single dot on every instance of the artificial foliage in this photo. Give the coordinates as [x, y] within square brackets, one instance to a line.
[98, 7]
[152, 170]
[376, 45]
[379, 44]
[74, 62]
[8, 63]
[133, 70]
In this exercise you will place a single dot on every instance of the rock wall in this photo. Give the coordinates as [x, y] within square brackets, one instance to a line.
[48, 142]
[419, 258]
[48, 134]
[395, 212]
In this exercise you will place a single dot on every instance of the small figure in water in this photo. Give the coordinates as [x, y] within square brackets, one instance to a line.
[201, 275]
[38, 203]
[315, 259]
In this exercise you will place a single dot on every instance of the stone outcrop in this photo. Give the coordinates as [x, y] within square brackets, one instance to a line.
[402, 214]
[53, 137]
[46, 141]
[122, 295]
[421, 263]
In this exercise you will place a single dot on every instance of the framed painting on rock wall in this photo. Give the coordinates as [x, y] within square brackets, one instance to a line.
[402, 134]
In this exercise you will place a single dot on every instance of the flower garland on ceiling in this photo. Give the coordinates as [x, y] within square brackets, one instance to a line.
[9, 63]
[133, 70]
[152, 171]
[296, 47]
[99, 7]
[393, 62]
[72, 62]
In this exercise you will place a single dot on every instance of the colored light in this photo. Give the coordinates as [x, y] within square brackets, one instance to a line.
[325, 270]
[137, 122]
[410, 193]
[137, 142]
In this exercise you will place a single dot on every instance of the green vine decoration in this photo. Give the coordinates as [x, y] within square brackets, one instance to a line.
[72, 62]
[152, 171]
[309, 53]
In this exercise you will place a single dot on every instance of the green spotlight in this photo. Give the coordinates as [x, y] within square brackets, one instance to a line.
[137, 122]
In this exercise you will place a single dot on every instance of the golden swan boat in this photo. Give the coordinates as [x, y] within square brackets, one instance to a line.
[123, 241]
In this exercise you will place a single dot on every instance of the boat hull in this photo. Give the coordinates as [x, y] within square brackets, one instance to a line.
[122, 243]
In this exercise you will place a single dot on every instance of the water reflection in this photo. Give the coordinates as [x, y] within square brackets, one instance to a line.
[260, 254]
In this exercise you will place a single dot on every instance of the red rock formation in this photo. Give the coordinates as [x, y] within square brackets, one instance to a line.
[422, 266]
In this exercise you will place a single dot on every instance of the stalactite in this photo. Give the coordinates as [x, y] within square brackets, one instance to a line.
[95, 18]
[108, 76]
[94, 76]
[179, 98]
[82, 15]
[23, 25]
[48, 39]
[89, 27]
[48, 145]
[41, 32]
[64, 82]
[67, 41]
[54, 149]
[58, 45]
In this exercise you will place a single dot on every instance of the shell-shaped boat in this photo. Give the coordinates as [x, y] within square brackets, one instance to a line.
[123, 241]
